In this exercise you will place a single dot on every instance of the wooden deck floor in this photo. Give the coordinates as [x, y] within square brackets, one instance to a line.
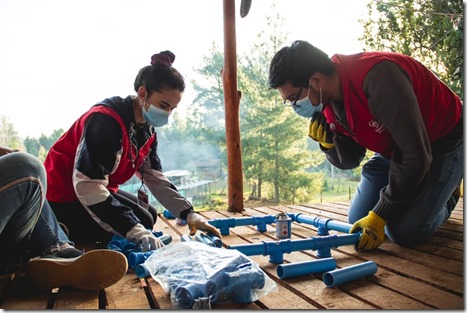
[430, 276]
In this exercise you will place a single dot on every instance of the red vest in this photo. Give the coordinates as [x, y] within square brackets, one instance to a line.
[441, 109]
[60, 160]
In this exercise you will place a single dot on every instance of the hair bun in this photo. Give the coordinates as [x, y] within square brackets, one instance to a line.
[164, 58]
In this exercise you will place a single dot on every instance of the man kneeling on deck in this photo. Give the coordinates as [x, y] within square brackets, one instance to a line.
[30, 235]
[393, 105]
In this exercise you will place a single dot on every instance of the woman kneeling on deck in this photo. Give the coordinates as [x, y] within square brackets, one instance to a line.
[104, 148]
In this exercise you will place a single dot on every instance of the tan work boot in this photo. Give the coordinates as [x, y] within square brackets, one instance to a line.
[94, 270]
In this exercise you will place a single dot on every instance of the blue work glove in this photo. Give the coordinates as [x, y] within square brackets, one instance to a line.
[144, 237]
[372, 227]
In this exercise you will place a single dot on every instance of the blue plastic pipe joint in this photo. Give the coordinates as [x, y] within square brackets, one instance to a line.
[224, 224]
[276, 249]
[235, 282]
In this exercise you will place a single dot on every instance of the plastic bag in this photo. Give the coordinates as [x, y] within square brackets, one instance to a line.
[192, 271]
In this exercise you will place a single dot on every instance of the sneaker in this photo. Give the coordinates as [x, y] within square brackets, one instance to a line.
[93, 270]
[63, 250]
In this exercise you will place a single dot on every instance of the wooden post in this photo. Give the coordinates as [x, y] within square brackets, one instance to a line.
[232, 104]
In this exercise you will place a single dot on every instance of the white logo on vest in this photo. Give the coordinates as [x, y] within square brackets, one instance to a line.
[379, 128]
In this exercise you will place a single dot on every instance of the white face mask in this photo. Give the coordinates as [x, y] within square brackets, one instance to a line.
[305, 108]
[155, 116]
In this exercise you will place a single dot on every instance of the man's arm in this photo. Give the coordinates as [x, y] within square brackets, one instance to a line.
[392, 102]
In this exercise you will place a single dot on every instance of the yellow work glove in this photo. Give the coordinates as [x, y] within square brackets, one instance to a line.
[372, 227]
[320, 132]
[196, 221]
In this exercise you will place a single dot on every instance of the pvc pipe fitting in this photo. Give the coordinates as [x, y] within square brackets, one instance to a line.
[137, 257]
[186, 295]
[204, 239]
[276, 249]
[350, 273]
[241, 284]
[216, 240]
[224, 224]
[168, 215]
[304, 268]
[142, 271]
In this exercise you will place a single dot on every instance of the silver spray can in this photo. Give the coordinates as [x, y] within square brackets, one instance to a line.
[283, 226]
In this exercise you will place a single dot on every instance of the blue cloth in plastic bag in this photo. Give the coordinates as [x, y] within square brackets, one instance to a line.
[190, 271]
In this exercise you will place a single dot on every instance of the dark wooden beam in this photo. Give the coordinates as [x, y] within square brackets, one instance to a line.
[232, 104]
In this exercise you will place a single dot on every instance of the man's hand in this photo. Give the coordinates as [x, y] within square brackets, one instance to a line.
[144, 237]
[320, 131]
[196, 221]
[372, 227]
[6, 150]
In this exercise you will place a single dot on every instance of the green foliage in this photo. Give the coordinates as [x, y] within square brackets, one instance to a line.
[8, 135]
[430, 31]
[206, 118]
[273, 136]
[32, 145]
[277, 154]
[41, 146]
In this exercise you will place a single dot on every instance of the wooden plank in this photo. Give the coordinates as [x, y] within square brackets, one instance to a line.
[414, 256]
[441, 254]
[22, 295]
[127, 294]
[428, 276]
[445, 238]
[70, 298]
[312, 291]
[444, 300]
[438, 241]
[184, 230]
[305, 284]
[169, 226]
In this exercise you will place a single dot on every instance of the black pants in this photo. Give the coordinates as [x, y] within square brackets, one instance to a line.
[82, 227]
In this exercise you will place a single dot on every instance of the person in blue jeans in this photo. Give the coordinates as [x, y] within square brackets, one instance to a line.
[30, 234]
[393, 105]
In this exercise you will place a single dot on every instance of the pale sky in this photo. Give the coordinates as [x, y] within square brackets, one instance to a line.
[59, 57]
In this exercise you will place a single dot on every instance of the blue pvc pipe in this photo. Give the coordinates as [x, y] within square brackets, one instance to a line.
[216, 240]
[166, 239]
[185, 238]
[142, 271]
[224, 224]
[138, 257]
[168, 215]
[276, 249]
[326, 223]
[207, 239]
[304, 268]
[350, 273]
[204, 239]
[233, 282]
[185, 295]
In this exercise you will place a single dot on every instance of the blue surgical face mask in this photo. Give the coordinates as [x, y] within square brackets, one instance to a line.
[303, 107]
[156, 116]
